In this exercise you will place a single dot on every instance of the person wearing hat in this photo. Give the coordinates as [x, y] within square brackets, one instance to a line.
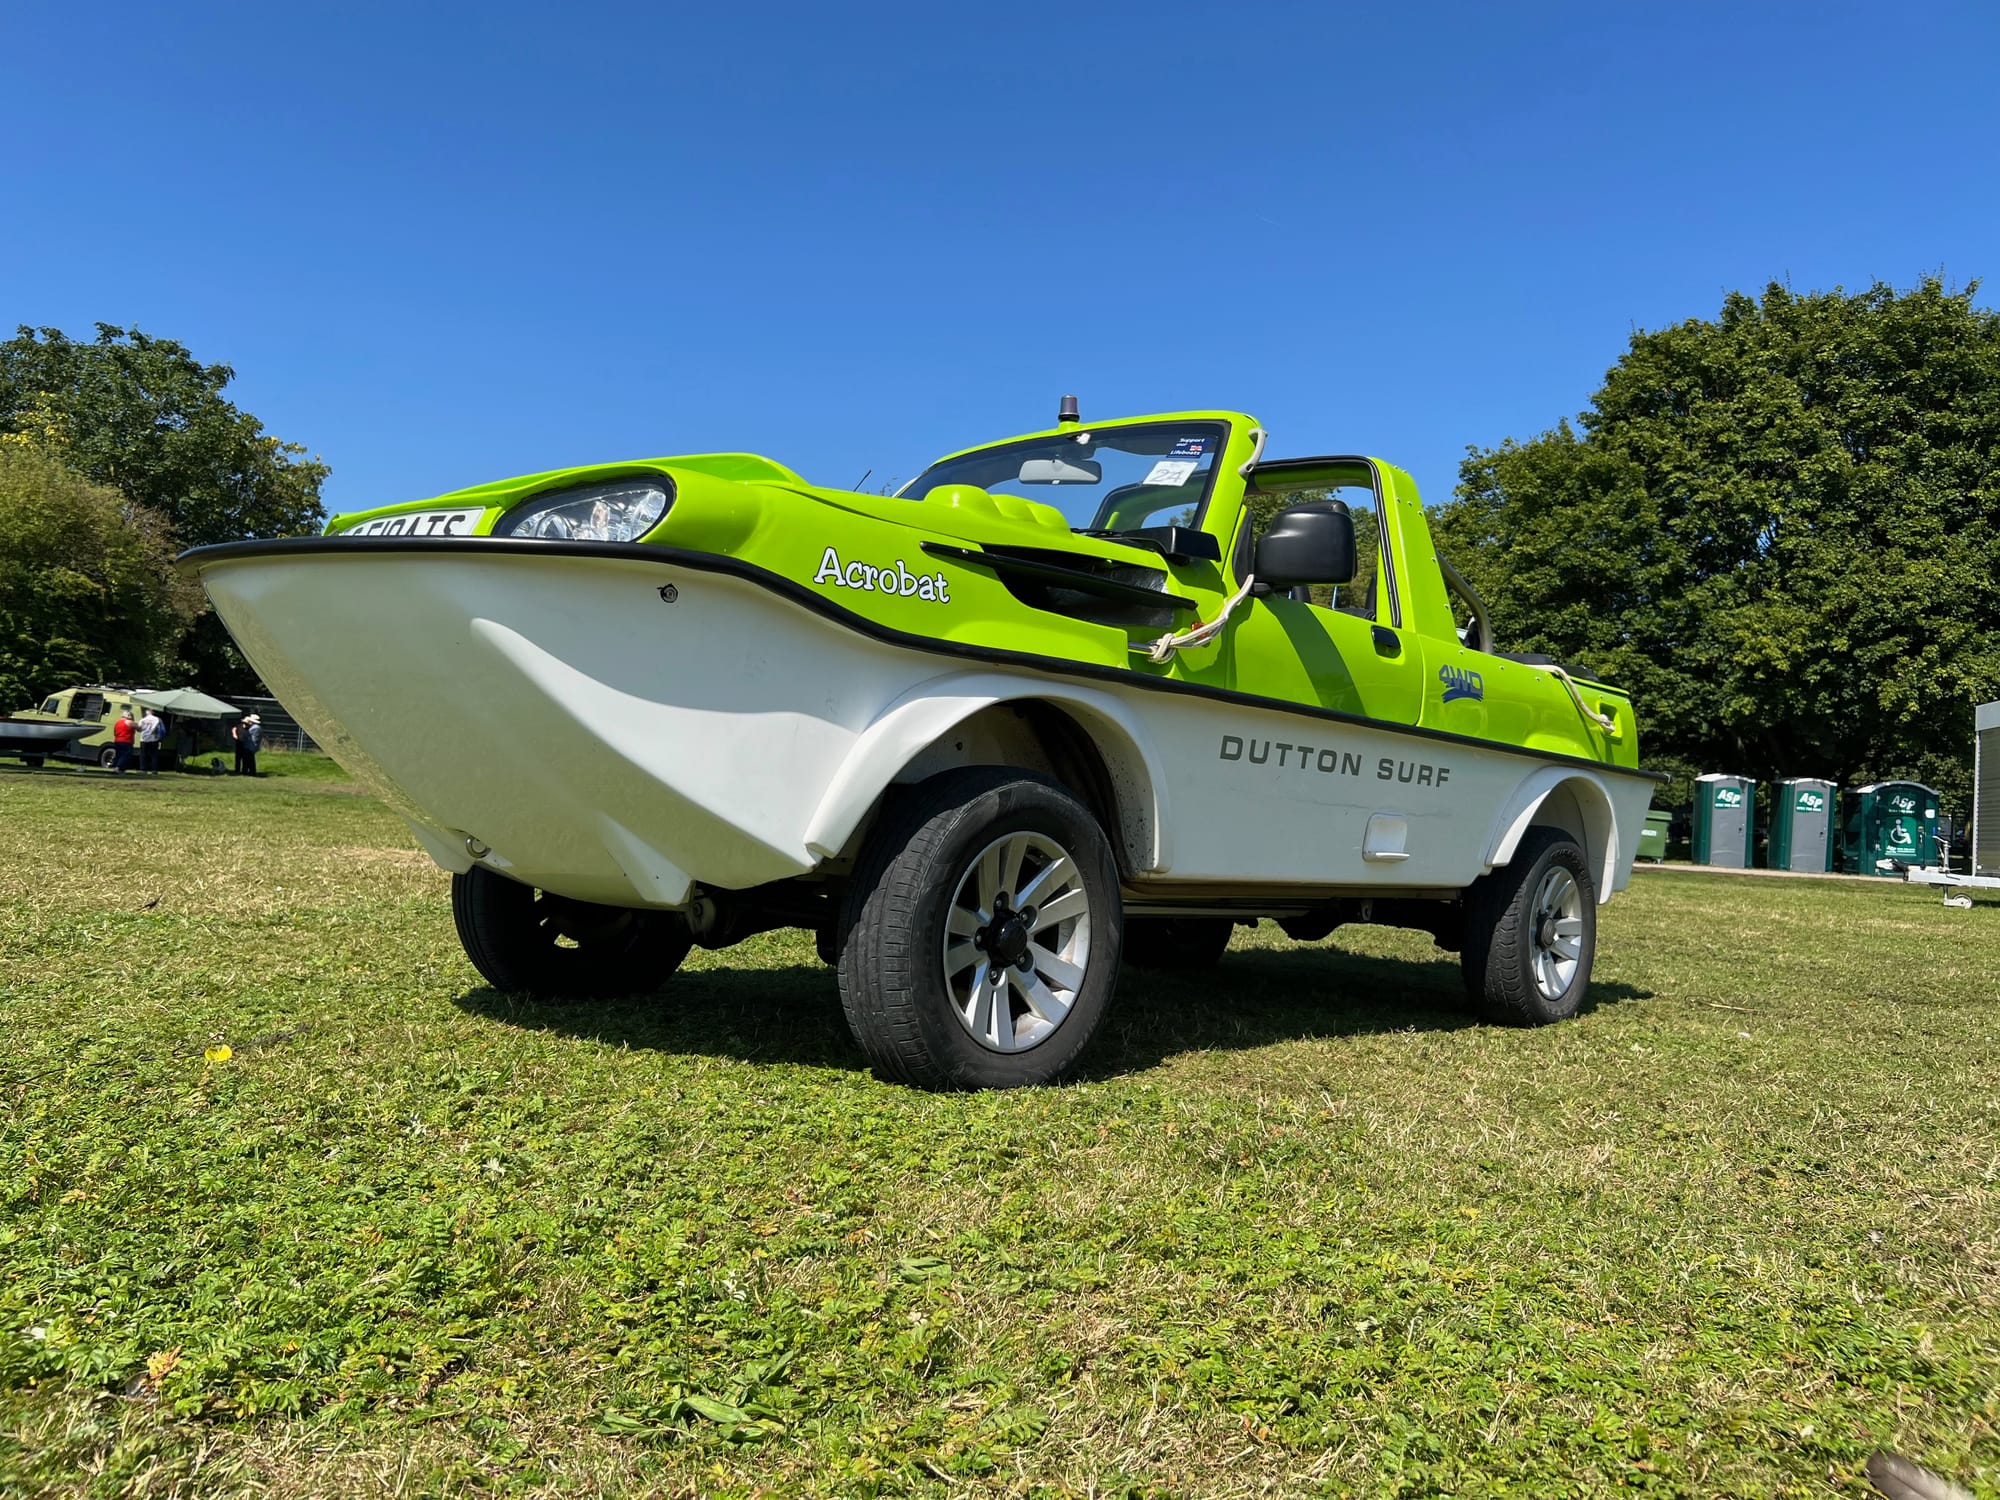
[249, 737]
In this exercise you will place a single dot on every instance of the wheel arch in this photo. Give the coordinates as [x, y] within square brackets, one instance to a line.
[1576, 802]
[1086, 739]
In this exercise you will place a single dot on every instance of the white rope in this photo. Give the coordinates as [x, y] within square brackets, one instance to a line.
[1196, 634]
[1608, 725]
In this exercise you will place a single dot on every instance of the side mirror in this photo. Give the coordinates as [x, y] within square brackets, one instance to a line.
[1307, 544]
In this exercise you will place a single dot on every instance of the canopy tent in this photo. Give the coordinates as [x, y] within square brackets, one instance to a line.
[188, 703]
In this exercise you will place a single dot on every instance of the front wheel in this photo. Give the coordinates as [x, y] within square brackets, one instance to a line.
[1531, 932]
[980, 935]
[555, 948]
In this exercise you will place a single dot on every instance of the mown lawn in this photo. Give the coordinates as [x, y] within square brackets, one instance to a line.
[1302, 1229]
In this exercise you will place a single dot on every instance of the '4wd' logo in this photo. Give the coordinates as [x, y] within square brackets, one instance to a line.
[1902, 804]
[1811, 802]
[1461, 683]
[1728, 796]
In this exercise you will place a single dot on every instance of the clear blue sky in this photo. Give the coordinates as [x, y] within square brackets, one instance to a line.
[442, 244]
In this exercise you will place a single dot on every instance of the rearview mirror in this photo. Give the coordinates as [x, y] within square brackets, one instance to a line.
[1311, 543]
[1061, 471]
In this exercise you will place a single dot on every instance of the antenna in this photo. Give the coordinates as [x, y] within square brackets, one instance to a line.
[1066, 413]
[855, 488]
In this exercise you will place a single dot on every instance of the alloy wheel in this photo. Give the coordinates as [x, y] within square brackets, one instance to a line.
[1558, 932]
[1017, 942]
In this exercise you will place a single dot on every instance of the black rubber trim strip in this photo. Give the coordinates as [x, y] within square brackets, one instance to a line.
[661, 555]
[1059, 576]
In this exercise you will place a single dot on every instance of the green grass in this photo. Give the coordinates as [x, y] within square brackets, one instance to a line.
[1302, 1228]
[303, 765]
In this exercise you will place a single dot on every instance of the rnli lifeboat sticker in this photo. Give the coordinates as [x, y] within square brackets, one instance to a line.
[869, 579]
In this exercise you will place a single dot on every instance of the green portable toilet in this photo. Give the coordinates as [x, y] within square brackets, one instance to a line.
[1724, 807]
[1802, 825]
[1889, 824]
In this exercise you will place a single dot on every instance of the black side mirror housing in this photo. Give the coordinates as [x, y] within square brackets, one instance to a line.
[1311, 543]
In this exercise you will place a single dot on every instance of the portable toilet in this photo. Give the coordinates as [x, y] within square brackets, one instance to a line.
[1986, 789]
[1802, 825]
[1889, 824]
[1723, 810]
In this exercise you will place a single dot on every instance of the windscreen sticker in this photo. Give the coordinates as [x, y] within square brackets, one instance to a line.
[1190, 448]
[1172, 471]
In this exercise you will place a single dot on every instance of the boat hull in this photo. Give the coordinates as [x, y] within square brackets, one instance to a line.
[39, 736]
[619, 728]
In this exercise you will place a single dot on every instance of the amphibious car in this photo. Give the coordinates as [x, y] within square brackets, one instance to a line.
[1096, 693]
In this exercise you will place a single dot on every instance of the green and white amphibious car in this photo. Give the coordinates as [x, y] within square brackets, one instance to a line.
[1095, 693]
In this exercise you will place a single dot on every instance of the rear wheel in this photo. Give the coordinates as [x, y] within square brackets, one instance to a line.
[1176, 942]
[555, 948]
[107, 757]
[980, 935]
[1531, 932]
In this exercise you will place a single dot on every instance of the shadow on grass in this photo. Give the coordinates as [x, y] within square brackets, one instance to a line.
[1252, 999]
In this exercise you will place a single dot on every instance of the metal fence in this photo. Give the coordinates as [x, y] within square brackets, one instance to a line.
[281, 730]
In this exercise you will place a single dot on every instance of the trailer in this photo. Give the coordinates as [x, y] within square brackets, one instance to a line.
[1984, 874]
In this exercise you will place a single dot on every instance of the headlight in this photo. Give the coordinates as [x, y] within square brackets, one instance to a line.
[622, 511]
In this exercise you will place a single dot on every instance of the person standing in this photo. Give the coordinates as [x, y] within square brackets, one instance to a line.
[249, 740]
[122, 735]
[152, 729]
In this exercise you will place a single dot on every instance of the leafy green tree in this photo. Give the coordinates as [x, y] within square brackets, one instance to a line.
[144, 416]
[1780, 528]
[87, 588]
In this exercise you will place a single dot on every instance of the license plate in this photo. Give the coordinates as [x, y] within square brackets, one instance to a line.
[420, 523]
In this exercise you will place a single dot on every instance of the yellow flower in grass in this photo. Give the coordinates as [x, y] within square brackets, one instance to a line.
[218, 1054]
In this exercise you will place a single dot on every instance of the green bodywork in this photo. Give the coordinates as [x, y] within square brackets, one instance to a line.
[1396, 670]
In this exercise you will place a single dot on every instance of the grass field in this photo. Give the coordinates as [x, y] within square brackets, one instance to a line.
[1302, 1228]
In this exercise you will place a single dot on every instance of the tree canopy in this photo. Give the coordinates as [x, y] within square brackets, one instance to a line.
[1779, 528]
[87, 588]
[143, 416]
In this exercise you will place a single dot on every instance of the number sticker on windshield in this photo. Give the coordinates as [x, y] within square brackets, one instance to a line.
[1172, 471]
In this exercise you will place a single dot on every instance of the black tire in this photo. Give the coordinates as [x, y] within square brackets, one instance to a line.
[894, 986]
[107, 758]
[31, 760]
[1508, 975]
[1173, 943]
[524, 940]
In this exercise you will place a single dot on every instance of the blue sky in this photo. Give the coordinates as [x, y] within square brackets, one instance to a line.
[441, 244]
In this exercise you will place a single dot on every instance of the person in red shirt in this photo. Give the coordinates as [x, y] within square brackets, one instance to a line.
[122, 734]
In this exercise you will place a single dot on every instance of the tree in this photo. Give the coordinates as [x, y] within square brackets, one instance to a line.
[87, 588]
[1779, 528]
[144, 416]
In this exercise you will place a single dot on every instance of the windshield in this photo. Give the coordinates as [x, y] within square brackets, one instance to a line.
[1110, 479]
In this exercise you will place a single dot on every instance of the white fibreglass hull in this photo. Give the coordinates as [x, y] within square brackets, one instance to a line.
[561, 720]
